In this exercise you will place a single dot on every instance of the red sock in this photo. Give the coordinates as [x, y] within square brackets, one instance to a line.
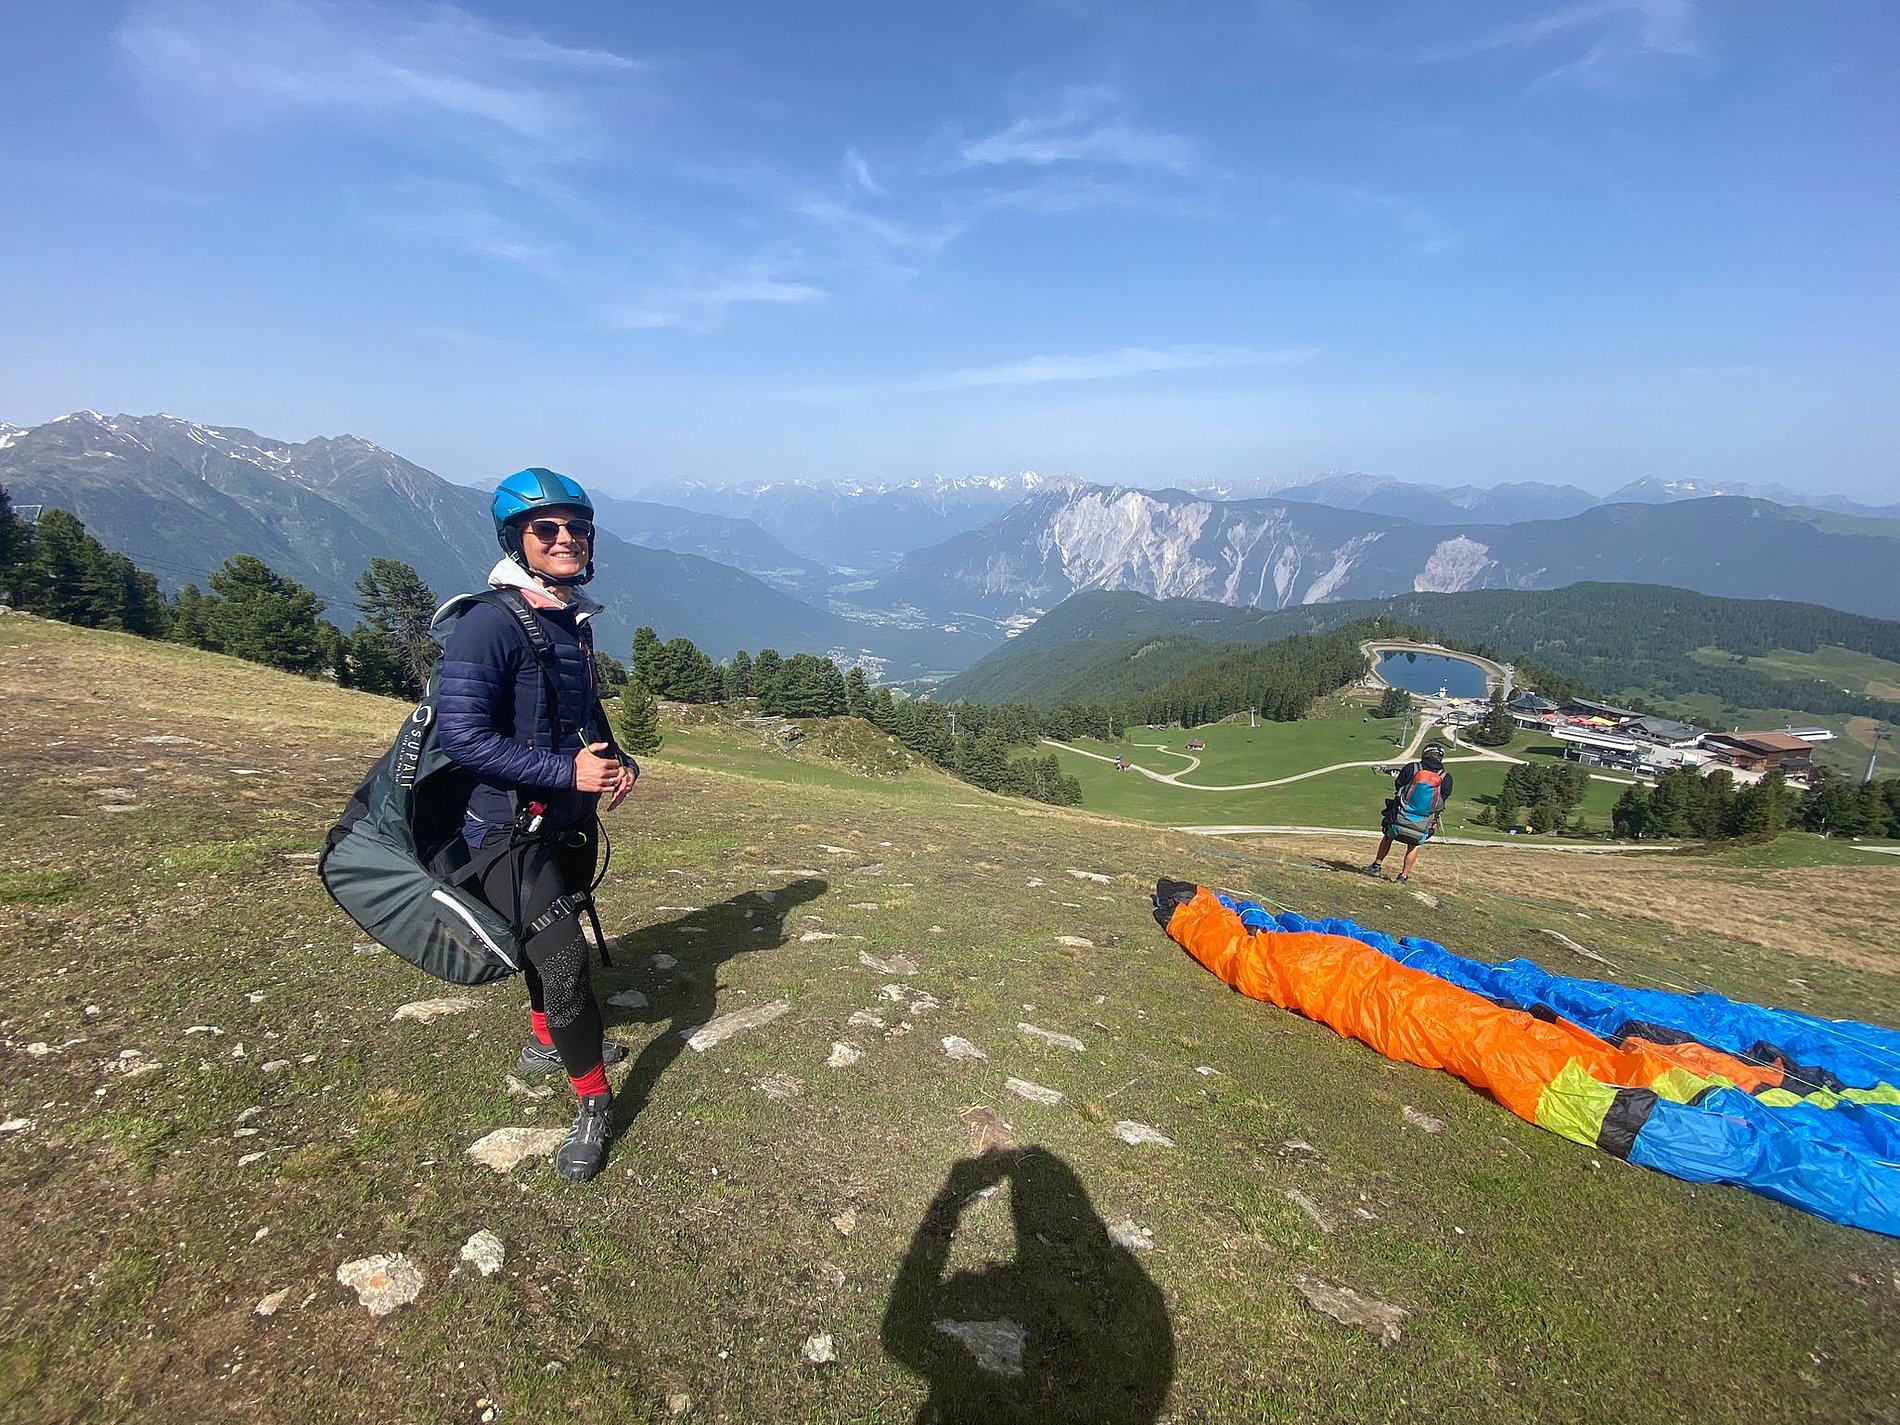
[594, 1081]
[539, 1023]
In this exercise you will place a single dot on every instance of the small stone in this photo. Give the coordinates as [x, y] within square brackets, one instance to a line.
[1350, 1308]
[957, 1047]
[1426, 898]
[1418, 1118]
[738, 1021]
[664, 962]
[678, 1402]
[987, 1129]
[843, 1055]
[891, 965]
[846, 1222]
[249, 1158]
[505, 1148]
[1050, 1036]
[996, 1345]
[1205, 1072]
[1091, 876]
[250, 1115]
[780, 1086]
[818, 1351]
[16, 1125]
[1127, 1233]
[518, 1089]
[268, 1305]
[1035, 1093]
[275, 1066]
[867, 1019]
[1311, 1209]
[1076, 942]
[382, 1283]
[1033, 882]
[430, 1009]
[485, 1252]
[810, 935]
[628, 999]
[1134, 1134]
[201, 1029]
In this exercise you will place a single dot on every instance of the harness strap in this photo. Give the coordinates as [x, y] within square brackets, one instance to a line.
[559, 909]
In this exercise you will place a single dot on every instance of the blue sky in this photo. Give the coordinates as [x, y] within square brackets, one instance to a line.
[1141, 242]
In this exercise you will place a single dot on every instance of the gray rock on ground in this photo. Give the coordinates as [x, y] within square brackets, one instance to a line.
[996, 1345]
[719, 1030]
[484, 1252]
[382, 1283]
[422, 1011]
[506, 1148]
[1351, 1308]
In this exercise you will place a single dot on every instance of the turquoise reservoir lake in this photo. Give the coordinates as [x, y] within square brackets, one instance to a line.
[1428, 672]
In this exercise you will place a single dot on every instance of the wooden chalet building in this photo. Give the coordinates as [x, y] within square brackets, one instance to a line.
[1761, 751]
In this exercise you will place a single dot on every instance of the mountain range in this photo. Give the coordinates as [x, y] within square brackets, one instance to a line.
[1275, 553]
[926, 576]
[179, 498]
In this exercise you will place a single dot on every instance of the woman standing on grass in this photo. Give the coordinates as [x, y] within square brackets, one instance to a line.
[531, 824]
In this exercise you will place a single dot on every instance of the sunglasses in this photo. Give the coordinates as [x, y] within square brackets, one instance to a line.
[547, 531]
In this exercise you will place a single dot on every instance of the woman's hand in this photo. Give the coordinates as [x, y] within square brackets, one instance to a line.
[596, 769]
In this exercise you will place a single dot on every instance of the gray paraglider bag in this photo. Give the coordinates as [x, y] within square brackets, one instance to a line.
[392, 860]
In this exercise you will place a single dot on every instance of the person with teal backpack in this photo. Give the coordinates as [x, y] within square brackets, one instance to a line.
[1411, 816]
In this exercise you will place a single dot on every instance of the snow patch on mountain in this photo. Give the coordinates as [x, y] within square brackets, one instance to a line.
[1456, 564]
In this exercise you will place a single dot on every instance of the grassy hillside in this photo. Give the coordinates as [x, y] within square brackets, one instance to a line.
[208, 1104]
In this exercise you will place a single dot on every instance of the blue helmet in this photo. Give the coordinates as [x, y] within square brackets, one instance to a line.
[529, 492]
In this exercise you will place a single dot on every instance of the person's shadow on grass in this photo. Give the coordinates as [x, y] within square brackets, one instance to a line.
[1072, 1329]
[686, 995]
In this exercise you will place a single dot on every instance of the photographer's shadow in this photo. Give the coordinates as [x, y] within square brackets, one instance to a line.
[686, 995]
[1071, 1329]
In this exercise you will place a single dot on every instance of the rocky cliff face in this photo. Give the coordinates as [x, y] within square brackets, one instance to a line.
[1270, 553]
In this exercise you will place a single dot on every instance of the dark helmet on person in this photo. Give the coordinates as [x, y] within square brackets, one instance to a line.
[1433, 755]
[527, 493]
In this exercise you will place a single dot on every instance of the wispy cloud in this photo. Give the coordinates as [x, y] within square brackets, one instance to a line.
[1083, 130]
[1625, 32]
[436, 75]
[461, 215]
[698, 301]
[1121, 364]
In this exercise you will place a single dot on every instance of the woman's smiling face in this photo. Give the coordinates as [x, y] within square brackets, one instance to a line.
[551, 545]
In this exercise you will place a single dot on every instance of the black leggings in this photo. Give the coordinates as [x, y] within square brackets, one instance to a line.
[521, 880]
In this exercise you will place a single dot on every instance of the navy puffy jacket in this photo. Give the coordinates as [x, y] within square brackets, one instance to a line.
[492, 716]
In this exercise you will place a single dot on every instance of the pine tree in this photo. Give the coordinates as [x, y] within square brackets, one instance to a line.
[188, 619]
[260, 615]
[637, 721]
[1396, 702]
[739, 676]
[16, 553]
[857, 692]
[398, 608]
[768, 670]
[1630, 812]
[1497, 729]
[646, 644]
[372, 664]
[71, 580]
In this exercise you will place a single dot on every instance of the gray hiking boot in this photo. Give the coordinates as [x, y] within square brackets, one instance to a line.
[585, 1149]
[1375, 870]
[1404, 880]
[539, 1058]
